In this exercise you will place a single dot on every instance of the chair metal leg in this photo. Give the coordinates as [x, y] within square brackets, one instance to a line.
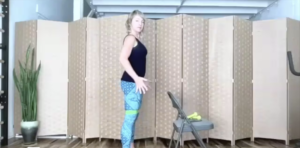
[198, 137]
[180, 135]
[178, 139]
[181, 141]
[172, 138]
[173, 132]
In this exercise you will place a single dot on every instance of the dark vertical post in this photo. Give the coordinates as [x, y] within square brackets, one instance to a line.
[4, 74]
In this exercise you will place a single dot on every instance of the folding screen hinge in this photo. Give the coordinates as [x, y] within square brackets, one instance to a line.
[181, 79]
[181, 26]
[232, 80]
[251, 81]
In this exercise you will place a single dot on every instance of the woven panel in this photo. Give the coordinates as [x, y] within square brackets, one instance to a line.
[111, 107]
[168, 72]
[52, 44]
[111, 41]
[221, 77]
[145, 126]
[25, 34]
[243, 96]
[195, 68]
[77, 68]
[293, 44]
[92, 79]
[270, 79]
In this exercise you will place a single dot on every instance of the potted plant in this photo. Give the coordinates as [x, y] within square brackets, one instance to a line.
[26, 85]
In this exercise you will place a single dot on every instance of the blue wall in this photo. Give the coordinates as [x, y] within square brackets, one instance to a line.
[281, 9]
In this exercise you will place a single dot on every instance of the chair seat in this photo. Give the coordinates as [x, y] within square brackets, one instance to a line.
[199, 125]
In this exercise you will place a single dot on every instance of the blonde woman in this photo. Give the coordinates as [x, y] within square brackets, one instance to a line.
[133, 59]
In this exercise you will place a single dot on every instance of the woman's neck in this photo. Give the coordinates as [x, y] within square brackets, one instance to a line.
[135, 34]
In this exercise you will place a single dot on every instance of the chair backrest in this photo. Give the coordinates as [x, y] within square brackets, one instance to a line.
[176, 104]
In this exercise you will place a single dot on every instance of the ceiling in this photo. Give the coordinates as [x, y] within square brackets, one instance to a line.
[157, 9]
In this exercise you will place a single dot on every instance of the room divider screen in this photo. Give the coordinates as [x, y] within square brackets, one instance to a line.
[230, 78]
[168, 72]
[50, 39]
[207, 63]
[76, 85]
[195, 68]
[25, 34]
[276, 90]
[84, 95]
[177, 61]
[111, 102]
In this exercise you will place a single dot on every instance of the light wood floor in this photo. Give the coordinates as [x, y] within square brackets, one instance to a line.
[148, 143]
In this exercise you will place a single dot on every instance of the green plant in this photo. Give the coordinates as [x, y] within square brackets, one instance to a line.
[27, 86]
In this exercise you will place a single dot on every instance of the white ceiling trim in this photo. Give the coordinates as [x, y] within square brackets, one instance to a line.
[198, 3]
[195, 10]
[155, 16]
[166, 8]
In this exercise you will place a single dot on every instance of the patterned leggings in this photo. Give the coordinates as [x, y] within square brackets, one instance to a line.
[133, 101]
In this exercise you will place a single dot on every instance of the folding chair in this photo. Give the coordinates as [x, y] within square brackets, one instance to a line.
[184, 125]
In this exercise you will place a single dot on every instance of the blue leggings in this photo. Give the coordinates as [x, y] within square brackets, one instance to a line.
[132, 101]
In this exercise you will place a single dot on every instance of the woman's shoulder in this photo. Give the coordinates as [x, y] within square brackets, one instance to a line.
[130, 40]
[129, 37]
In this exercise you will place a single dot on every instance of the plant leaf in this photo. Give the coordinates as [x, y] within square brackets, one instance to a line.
[26, 85]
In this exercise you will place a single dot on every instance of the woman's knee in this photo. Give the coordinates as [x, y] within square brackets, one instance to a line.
[131, 115]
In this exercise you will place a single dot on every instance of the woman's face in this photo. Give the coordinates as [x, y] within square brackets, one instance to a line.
[137, 24]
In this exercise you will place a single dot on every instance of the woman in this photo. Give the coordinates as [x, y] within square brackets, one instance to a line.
[133, 59]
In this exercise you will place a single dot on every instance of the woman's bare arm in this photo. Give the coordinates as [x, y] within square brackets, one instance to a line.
[125, 53]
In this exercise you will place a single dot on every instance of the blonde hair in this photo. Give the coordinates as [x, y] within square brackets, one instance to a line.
[131, 16]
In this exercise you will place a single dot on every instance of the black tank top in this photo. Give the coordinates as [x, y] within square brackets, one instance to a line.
[137, 59]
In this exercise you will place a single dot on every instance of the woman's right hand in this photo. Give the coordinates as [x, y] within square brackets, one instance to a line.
[140, 84]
